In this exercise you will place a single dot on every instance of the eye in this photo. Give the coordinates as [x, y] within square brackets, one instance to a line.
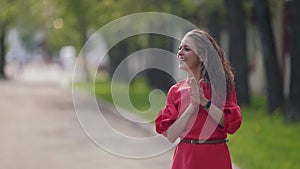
[180, 47]
[187, 48]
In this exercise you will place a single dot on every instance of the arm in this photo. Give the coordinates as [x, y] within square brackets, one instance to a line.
[175, 130]
[216, 113]
[230, 118]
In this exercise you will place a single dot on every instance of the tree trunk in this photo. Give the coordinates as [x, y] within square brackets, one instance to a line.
[237, 49]
[117, 54]
[158, 78]
[2, 53]
[274, 81]
[83, 32]
[293, 106]
[213, 24]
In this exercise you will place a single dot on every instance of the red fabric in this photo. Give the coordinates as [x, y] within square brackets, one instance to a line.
[200, 126]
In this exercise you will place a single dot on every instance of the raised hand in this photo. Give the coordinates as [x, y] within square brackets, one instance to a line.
[196, 92]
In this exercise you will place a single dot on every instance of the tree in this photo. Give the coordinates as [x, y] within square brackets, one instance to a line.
[7, 18]
[293, 107]
[274, 81]
[78, 17]
[237, 48]
[214, 25]
[158, 78]
[16, 13]
[2, 52]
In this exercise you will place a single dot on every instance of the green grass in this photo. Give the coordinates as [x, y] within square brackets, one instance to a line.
[263, 142]
[145, 102]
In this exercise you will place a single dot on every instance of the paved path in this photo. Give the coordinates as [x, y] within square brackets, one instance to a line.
[39, 129]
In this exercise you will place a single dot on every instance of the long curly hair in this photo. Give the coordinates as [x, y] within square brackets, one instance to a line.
[196, 33]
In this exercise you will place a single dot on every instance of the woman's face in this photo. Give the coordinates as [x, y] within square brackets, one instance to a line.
[188, 59]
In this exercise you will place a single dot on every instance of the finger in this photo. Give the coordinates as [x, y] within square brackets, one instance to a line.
[201, 89]
[191, 79]
[190, 91]
[193, 86]
[194, 82]
[201, 81]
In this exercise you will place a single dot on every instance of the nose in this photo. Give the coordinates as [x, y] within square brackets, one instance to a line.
[179, 53]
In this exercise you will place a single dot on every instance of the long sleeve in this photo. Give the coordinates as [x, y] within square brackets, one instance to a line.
[232, 114]
[167, 116]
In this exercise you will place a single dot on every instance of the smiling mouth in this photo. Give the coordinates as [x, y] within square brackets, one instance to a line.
[181, 60]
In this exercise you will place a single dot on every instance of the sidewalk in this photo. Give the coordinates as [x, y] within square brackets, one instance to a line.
[39, 129]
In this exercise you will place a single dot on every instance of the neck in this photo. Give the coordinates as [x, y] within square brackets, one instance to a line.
[196, 74]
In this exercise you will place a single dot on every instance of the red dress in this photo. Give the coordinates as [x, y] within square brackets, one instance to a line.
[200, 126]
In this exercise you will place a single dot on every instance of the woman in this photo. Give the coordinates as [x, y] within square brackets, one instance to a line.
[201, 109]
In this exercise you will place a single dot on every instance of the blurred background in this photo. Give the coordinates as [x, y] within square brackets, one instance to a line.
[41, 39]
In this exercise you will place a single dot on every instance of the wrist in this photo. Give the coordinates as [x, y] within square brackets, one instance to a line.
[203, 102]
[193, 106]
[207, 105]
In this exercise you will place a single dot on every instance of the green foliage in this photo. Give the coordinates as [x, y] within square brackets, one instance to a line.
[28, 16]
[8, 12]
[198, 12]
[96, 13]
[32, 15]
